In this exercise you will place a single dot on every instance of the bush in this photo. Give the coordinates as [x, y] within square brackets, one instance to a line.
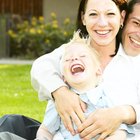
[30, 39]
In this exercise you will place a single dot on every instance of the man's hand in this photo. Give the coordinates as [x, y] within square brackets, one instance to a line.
[102, 122]
[69, 107]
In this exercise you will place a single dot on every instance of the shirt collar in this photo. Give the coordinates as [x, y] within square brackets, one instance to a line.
[93, 94]
[121, 52]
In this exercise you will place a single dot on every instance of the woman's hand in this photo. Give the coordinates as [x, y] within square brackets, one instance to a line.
[104, 122]
[69, 107]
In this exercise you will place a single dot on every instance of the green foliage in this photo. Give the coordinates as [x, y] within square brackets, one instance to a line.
[36, 37]
[16, 93]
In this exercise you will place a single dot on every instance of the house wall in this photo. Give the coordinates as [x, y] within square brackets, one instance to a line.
[62, 8]
[24, 8]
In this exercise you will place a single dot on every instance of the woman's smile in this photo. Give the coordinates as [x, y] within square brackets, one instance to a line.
[102, 32]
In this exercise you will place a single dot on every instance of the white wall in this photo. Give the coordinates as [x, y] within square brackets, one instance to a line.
[63, 9]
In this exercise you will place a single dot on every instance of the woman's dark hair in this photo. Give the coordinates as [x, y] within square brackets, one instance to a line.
[79, 25]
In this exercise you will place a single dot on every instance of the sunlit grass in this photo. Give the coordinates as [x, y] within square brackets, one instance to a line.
[16, 93]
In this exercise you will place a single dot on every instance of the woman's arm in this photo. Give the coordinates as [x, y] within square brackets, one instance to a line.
[106, 121]
[45, 73]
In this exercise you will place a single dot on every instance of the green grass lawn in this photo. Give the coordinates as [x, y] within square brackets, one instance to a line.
[16, 93]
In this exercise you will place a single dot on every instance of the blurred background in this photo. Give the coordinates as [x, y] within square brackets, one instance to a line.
[29, 29]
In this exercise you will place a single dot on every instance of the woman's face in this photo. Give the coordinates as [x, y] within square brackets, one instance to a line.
[102, 19]
[131, 33]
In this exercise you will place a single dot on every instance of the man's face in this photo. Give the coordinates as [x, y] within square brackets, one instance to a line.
[131, 33]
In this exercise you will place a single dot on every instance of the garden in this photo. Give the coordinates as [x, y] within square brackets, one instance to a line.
[29, 39]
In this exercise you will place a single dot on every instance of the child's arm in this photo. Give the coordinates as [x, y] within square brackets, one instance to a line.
[118, 135]
[43, 133]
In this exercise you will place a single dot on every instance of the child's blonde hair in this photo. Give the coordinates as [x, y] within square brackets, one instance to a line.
[86, 42]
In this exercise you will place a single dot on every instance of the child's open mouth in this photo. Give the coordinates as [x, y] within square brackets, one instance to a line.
[77, 68]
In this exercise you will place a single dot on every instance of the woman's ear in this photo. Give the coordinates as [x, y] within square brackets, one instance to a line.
[123, 13]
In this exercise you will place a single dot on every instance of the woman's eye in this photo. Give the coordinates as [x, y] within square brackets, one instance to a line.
[92, 14]
[111, 13]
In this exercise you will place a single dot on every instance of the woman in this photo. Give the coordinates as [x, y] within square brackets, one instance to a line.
[102, 25]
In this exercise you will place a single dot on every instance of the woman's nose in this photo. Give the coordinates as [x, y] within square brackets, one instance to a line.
[102, 21]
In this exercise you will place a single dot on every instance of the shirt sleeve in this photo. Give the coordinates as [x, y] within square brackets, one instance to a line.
[137, 110]
[137, 106]
[51, 118]
[45, 74]
[129, 129]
